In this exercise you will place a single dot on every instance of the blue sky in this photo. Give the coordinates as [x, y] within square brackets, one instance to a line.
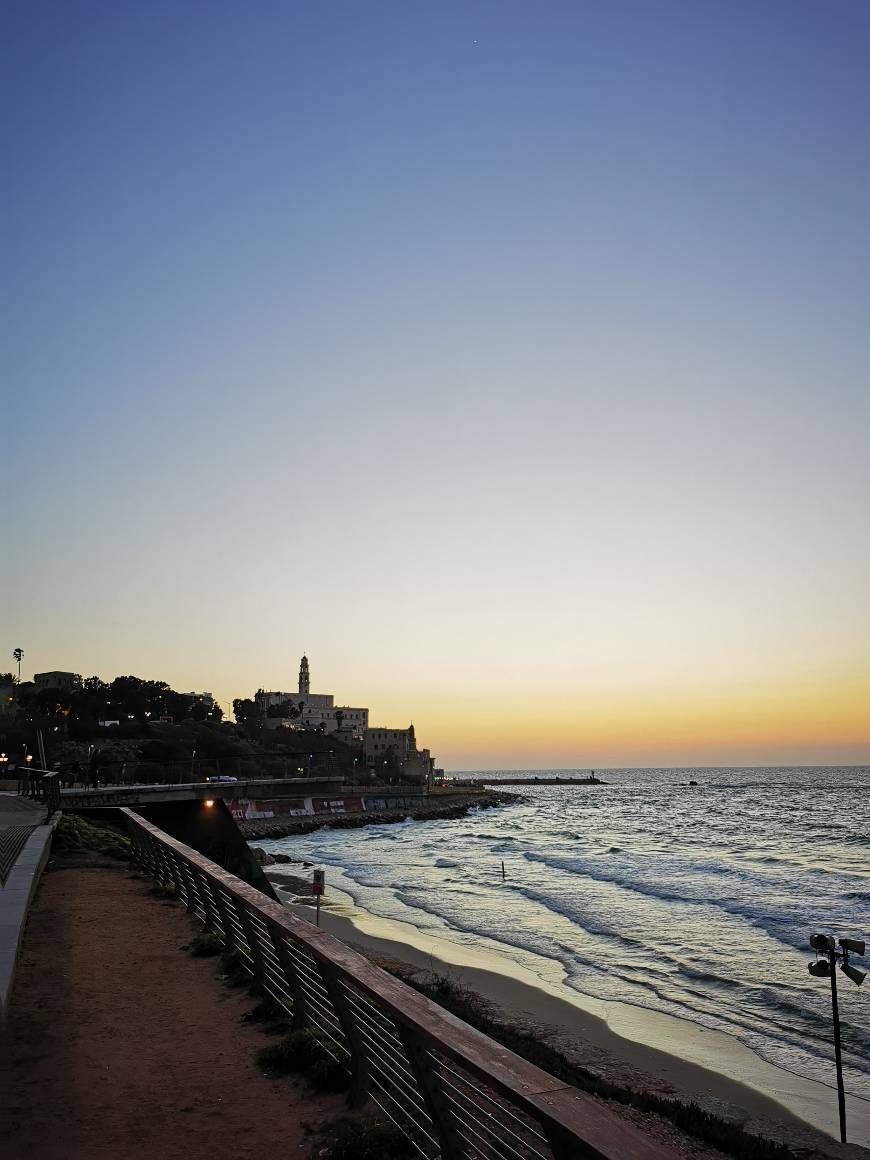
[499, 356]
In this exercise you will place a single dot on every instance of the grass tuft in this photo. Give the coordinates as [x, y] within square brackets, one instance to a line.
[76, 835]
[272, 1018]
[366, 1138]
[235, 973]
[305, 1051]
[162, 892]
[206, 945]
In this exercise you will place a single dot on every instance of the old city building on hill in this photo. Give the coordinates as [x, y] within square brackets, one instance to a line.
[384, 750]
[312, 710]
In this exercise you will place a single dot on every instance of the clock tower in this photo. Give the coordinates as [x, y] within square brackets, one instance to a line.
[304, 678]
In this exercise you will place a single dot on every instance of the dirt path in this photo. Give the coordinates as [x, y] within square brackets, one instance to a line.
[121, 1046]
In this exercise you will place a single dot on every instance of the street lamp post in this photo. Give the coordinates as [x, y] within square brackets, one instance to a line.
[826, 967]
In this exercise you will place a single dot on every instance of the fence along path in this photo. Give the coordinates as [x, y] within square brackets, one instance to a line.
[454, 1092]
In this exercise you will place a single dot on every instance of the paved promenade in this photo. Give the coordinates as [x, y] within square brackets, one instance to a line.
[18, 819]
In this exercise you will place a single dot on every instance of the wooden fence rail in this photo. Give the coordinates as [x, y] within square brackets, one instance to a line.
[454, 1092]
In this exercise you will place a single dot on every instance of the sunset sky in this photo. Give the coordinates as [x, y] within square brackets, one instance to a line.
[511, 360]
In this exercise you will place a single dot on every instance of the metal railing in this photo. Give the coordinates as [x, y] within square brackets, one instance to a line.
[41, 785]
[454, 1092]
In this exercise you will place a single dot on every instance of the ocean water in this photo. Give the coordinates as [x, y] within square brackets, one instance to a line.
[696, 901]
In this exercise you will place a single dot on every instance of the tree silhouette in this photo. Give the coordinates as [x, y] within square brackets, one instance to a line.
[18, 653]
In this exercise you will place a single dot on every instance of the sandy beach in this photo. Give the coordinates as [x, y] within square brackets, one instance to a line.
[628, 1045]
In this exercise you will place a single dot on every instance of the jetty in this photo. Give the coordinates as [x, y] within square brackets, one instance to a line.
[539, 781]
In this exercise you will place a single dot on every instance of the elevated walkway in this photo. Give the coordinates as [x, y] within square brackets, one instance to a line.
[25, 837]
[140, 795]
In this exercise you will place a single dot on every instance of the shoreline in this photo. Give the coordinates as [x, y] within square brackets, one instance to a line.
[458, 806]
[630, 1046]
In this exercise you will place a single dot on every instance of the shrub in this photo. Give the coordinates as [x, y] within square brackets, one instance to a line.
[163, 892]
[272, 1018]
[366, 1138]
[205, 945]
[76, 835]
[235, 971]
[305, 1051]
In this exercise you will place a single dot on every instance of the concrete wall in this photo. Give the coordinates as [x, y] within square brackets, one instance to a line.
[211, 830]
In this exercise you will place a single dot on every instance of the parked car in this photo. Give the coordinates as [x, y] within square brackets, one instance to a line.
[222, 777]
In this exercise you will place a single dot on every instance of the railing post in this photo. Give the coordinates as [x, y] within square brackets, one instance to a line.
[453, 1146]
[230, 939]
[203, 885]
[143, 859]
[143, 850]
[190, 887]
[360, 1077]
[161, 864]
[253, 944]
[153, 856]
[176, 876]
[133, 833]
[291, 977]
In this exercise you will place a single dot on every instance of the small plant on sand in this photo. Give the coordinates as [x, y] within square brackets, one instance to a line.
[305, 1051]
[162, 892]
[272, 1018]
[235, 970]
[366, 1138]
[206, 945]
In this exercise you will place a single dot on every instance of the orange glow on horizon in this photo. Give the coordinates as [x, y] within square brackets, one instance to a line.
[680, 726]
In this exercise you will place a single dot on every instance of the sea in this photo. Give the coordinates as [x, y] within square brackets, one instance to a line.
[694, 900]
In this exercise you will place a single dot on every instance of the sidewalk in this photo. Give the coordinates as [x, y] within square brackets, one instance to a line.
[19, 817]
[120, 1045]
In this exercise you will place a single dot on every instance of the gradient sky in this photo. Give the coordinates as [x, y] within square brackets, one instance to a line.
[509, 359]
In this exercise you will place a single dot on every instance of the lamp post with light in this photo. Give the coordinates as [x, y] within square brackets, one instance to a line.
[825, 967]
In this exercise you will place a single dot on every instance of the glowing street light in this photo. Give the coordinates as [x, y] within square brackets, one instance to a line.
[826, 968]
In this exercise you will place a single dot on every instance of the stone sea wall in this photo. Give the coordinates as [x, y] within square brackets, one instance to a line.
[366, 811]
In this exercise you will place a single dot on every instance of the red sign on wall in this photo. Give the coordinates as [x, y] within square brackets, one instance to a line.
[342, 805]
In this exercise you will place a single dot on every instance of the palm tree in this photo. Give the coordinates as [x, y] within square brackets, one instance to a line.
[18, 653]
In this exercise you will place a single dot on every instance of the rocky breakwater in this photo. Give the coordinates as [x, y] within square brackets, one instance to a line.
[456, 806]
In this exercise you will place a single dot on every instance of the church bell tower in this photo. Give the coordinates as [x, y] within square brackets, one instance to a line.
[304, 678]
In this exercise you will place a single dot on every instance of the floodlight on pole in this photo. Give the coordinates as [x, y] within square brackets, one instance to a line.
[853, 973]
[826, 968]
